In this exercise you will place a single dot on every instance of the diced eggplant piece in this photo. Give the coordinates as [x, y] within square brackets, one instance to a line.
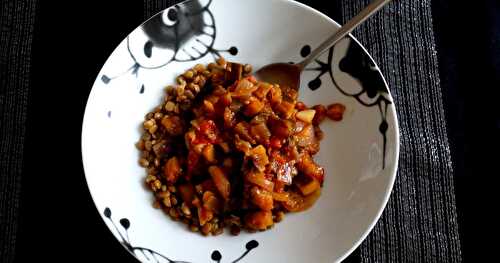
[173, 125]
[209, 153]
[243, 146]
[259, 157]
[285, 109]
[187, 192]
[243, 130]
[260, 133]
[297, 202]
[172, 170]
[307, 166]
[308, 185]
[262, 91]
[220, 180]
[259, 220]
[234, 72]
[261, 198]
[254, 106]
[258, 178]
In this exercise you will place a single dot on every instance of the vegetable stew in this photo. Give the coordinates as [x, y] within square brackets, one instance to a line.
[224, 149]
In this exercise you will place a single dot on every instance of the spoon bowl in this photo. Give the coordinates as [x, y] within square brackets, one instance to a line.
[284, 74]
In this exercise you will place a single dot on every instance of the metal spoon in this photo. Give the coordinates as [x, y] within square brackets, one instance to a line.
[287, 74]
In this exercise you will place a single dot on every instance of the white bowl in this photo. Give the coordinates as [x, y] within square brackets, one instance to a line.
[360, 153]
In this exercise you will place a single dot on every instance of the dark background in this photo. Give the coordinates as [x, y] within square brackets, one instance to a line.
[58, 219]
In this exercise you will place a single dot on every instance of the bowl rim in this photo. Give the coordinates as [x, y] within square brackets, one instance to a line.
[392, 113]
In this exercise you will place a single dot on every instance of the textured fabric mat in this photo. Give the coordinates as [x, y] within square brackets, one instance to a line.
[17, 19]
[419, 223]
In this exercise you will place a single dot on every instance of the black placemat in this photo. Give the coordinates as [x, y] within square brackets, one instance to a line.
[419, 223]
[17, 19]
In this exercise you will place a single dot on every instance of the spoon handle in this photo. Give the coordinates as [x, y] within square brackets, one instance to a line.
[367, 12]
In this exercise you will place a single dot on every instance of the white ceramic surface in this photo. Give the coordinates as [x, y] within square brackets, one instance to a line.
[360, 171]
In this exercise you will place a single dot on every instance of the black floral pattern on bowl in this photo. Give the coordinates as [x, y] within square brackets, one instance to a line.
[359, 65]
[152, 256]
[182, 23]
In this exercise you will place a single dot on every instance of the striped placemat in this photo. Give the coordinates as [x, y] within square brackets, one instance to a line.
[17, 20]
[419, 223]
